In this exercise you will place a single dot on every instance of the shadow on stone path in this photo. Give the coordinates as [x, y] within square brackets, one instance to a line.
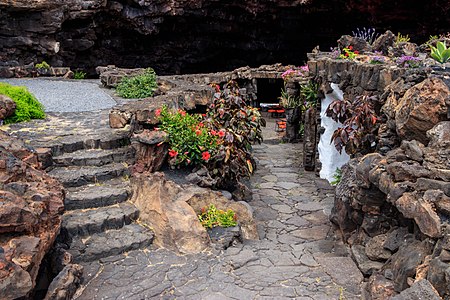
[298, 256]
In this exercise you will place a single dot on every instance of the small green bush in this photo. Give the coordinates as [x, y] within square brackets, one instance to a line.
[139, 86]
[43, 65]
[79, 75]
[27, 106]
[212, 217]
[440, 53]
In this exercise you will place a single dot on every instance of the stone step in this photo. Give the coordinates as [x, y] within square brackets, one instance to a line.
[91, 221]
[81, 175]
[97, 194]
[111, 242]
[93, 157]
[106, 141]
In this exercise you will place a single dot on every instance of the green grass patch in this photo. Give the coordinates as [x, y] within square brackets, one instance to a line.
[27, 106]
[139, 86]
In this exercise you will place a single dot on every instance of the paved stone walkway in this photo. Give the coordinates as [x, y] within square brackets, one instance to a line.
[298, 256]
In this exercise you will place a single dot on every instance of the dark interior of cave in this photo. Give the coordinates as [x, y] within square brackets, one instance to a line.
[269, 90]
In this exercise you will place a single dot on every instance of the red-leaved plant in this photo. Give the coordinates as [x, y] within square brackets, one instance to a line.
[241, 125]
[360, 124]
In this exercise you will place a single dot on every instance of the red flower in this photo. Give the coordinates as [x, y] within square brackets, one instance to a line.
[203, 115]
[346, 54]
[173, 153]
[198, 132]
[156, 129]
[158, 112]
[182, 112]
[213, 132]
[350, 47]
[221, 133]
[356, 52]
[201, 124]
[206, 156]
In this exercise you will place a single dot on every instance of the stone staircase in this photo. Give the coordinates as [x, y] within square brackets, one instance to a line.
[98, 221]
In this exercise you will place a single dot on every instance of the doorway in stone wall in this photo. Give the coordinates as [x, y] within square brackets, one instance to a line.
[269, 90]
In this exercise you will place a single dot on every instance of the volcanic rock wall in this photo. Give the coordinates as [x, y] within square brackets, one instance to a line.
[392, 206]
[184, 36]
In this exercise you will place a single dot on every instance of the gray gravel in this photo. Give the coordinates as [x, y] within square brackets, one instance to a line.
[66, 95]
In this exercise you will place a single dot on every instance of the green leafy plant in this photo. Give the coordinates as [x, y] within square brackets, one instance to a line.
[27, 106]
[337, 176]
[289, 101]
[212, 217]
[401, 39]
[190, 141]
[139, 86]
[309, 93]
[349, 53]
[79, 75]
[42, 66]
[360, 124]
[440, 53]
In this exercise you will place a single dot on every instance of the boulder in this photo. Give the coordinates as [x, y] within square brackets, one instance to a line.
[358, 44]
[405, 261]
[420, 290]
[421, 108]
[65, 285]
[413, 206]
[383, 42]
[7, 107]
[172, 212]
[30, 217]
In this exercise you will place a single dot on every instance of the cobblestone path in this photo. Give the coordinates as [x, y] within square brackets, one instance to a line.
[297, 257]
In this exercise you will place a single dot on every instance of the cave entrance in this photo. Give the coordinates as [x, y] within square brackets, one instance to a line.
[269, 90]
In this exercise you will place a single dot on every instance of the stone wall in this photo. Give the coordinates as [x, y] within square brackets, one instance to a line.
[30, 218]
[392, 206]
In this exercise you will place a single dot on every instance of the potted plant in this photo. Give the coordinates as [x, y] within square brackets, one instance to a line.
[292, 107]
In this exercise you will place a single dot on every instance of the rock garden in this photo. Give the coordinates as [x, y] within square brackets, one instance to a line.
[330, 180]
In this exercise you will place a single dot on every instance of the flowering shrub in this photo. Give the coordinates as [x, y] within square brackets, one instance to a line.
[409, 61]
[296, 71]
[377, 59]
[360, 124]
[221, 141]
[349, 53]
[190, 141]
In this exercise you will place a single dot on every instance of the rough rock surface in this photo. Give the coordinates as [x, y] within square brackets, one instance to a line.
[422, 107]
[30, 217]
[399, 206]
[171, 210]
[186, 36]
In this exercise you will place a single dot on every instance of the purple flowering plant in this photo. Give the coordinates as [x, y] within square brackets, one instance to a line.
[409, 61]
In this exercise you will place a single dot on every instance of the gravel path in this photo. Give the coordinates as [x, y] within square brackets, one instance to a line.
[66, 95]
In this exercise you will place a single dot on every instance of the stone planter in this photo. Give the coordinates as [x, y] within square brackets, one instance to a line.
[293, 118]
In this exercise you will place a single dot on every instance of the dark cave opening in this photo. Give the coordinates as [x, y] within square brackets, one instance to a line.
[269, 90]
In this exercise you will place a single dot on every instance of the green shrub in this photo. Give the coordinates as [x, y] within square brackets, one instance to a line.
[27, 106]
[190, 141]
[139, 86]
[43, 65]
[212, 217]
[79, 75]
